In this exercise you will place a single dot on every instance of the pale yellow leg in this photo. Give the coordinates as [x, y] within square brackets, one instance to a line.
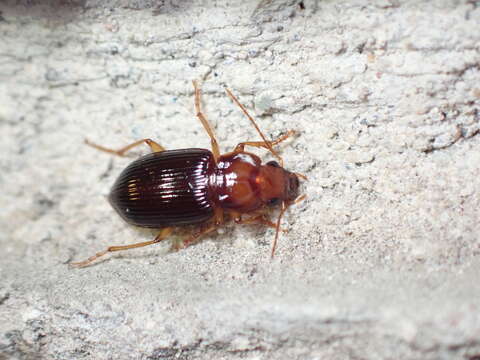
[205, 123]
[194, 238]
[217, 221]
[258, 219]
[161, 236]
[267, 144]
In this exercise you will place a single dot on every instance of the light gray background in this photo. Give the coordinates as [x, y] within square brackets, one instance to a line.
[381, 260]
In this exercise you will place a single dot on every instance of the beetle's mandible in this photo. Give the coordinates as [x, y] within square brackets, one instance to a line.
[167, 189]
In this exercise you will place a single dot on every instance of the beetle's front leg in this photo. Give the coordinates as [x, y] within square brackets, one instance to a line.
[258, 219]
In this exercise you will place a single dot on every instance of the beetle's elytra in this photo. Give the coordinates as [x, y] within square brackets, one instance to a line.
[173, 188]
[167, 188]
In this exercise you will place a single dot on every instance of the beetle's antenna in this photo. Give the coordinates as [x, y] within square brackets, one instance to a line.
[267, 142]
[300, 198]
[277, 227]
[301, 176]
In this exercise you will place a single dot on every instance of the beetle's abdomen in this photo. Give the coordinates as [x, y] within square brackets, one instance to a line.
[165, 189]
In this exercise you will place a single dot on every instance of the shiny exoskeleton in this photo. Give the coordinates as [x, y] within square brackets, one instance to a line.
[168, 188]
[171, 188]
[183, 187]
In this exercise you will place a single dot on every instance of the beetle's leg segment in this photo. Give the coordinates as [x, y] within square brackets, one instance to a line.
[194, 238]
[162, 235]
[216, 222]
[205, 123]
[267, 144]
[218, 217]
[259, 219]
[121, 152]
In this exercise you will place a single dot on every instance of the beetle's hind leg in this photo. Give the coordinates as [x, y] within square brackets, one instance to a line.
[161, 236]
[155, 147]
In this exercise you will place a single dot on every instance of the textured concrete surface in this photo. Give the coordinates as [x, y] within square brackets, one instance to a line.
[381, 260]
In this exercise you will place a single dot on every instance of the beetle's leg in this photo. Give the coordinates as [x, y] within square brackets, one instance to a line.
[194, 238]
[205, 123]
[216, 222]
[259, 219]
[162, 235]
[284, 137]
[121, 152]
[218, 217]
[267, 144]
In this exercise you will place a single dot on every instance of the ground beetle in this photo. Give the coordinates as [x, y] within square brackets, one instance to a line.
[174, 188]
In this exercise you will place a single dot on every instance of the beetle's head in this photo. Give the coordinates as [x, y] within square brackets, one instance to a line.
[276, 185]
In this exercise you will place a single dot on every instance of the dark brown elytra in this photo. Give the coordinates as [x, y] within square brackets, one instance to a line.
[167, 189]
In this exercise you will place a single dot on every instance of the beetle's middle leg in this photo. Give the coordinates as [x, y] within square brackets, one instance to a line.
[194, 238]
[155, 147]
[217, 221]
[161, 236]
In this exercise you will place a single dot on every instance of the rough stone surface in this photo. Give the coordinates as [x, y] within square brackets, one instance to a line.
[381, 260]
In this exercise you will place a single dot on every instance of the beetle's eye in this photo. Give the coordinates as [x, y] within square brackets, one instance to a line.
[273, 163]
[273, 201]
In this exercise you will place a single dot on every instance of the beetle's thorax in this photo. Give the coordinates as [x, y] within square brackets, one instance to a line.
[241, 183]
[233, 182]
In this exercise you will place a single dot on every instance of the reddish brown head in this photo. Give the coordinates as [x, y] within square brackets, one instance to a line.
[276, 185]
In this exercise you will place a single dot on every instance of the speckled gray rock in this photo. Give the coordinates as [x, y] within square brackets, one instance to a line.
[381, 260]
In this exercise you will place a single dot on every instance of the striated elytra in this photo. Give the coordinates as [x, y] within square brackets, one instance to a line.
[168, 188]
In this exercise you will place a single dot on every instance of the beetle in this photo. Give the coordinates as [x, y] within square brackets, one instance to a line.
[167, 189]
